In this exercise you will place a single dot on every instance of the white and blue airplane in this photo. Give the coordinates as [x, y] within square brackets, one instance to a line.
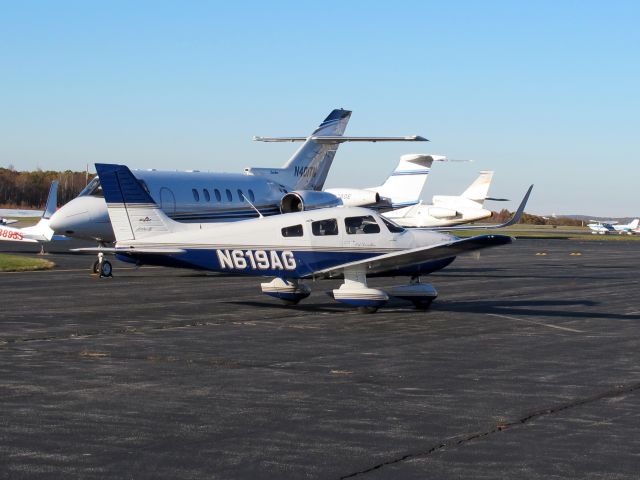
[603, 228]
[41, 232]
[348, 242]
[194, 196]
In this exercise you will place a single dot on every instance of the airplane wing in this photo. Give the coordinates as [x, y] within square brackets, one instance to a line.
[341, 139]
[407, 258]
[138, 250]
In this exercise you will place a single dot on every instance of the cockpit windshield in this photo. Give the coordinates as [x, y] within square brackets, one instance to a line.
[93, 189]
[392, 226]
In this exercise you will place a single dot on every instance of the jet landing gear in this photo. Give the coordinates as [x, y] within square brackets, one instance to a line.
[289, 291]
[102, 267]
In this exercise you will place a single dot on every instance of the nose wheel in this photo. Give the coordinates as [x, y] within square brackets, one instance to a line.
[102, 267]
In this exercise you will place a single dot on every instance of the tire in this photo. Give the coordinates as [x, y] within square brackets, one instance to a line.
[106, 269]
[290, 303]
[367, 309]
[422, 304]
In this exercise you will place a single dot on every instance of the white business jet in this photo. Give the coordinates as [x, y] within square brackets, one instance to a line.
[222, 197]
[348, 242]
[449, 210]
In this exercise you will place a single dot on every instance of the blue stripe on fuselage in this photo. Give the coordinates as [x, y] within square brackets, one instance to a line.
[306, 263]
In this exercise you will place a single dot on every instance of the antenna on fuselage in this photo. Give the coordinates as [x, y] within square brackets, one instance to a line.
[252, 205]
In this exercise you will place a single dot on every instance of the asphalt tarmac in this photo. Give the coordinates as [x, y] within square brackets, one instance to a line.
[526, 366]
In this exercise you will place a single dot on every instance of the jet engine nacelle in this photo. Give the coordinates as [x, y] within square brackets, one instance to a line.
[355, 197]
[300, 200]
[441, 212]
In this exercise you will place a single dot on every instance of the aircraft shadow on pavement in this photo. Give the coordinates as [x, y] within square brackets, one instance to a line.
[533, 308]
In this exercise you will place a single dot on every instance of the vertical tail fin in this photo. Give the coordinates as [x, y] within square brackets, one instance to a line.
[479, 189]
[52, 201]
[404, 186]
[133, 213]
[634, 224]
[308, 168]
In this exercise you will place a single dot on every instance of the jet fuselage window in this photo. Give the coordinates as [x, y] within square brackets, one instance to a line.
[229, 196]
[293, 231]
[393, 227]
[322, 228]
[207, 197]
[196, 195]
[217, 194]
[241, 195]
[252, 197]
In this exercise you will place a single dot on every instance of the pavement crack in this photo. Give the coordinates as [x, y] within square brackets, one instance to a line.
[616, 391]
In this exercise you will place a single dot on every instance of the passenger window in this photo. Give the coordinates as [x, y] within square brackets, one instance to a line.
[252, 197]
[241, 195]
[393, 227]
[294, 231]
[325, 227]
[229, 197]
[357, 225]
[207, 197]
[218, 196]
[196, 195]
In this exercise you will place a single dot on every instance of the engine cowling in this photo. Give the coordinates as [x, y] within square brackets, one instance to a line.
[441, 212]
[300, 200]
[355, 197]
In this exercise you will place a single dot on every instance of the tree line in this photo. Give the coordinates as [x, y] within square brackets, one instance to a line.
[30, 189]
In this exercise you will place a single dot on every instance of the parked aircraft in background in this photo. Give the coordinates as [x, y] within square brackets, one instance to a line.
[603, 228]
[347, 242]
[403, 187]
[40, 232]
[214, 197]
[448, 210]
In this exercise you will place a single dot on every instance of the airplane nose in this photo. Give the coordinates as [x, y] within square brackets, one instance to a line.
[83, 217]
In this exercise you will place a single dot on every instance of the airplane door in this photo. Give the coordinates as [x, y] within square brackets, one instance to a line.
[361, 232]
[167, 201]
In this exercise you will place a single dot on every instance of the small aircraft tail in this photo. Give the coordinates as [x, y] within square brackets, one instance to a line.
[308, 168]
[404, 186]
[52, 201]
[634, 224]
[133, 213]
[479, 189]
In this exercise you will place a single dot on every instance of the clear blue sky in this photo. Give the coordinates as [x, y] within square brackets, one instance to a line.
[542, 92]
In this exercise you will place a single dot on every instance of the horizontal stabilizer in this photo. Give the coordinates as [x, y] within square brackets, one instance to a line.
[407, 258]
[333, 139]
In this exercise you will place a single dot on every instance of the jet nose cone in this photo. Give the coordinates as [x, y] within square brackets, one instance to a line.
[83, 217]
[67, 219]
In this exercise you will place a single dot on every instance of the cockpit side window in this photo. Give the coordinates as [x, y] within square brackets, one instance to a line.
[391, 226]
[358, 225]
[322, 228]
[293, 231]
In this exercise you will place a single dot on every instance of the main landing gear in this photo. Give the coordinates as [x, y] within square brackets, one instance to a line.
[289, 291]
[355, 292]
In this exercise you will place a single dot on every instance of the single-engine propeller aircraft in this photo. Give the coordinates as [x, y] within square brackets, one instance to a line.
[348, 242]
